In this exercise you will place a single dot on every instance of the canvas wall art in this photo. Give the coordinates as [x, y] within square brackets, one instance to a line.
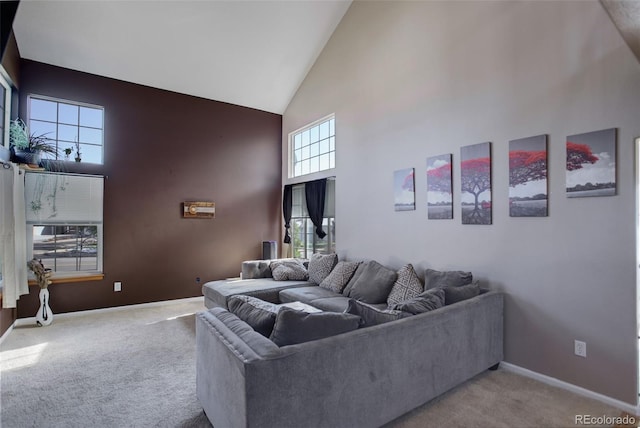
[403, 189]
[591, 164]
[528, 177]
[475, 183]
[439, 187]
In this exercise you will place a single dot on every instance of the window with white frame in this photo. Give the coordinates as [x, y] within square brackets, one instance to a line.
[64, 221]
[71, 125]
[5, 110]
[313, 148]
[303, 237]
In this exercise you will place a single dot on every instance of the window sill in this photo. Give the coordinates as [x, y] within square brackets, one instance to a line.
[70, 279]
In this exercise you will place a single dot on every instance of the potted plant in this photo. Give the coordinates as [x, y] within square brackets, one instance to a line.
[67, 152]
[29, 148]
[78, 154]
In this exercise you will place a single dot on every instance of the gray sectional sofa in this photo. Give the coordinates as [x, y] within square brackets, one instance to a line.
[362, 378]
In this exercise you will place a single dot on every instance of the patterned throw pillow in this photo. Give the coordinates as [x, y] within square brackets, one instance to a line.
[406, 287]
[339, 276]
[288, 270]
[320, 266]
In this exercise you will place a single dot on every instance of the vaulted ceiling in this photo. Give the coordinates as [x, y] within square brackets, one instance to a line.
[250, 53]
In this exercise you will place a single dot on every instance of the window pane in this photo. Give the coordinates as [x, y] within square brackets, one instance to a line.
[324, 146]
[305, 153]
[68, 133]
[66, 248]
[90, 135]
[305, 138]
[297, 156]
[332, 128]
[297, 169]
[67, 113]
[332, 160]
[305, 167]
[91, 117]
[332, 143]
[314, 164]
[324, 162]
[43, 110]
[47, 129]
[324, 130]
[314, 149]
[297, 141]
[315, 134]
[90, 154]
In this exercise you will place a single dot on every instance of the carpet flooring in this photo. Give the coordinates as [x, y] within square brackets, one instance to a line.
[135, 367]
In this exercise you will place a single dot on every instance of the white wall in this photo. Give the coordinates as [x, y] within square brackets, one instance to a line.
[409, 80]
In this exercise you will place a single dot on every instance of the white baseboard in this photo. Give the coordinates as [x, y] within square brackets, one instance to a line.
[32, 320]
[629, 408]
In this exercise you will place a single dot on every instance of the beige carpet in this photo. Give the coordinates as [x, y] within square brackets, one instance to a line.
[135, 367]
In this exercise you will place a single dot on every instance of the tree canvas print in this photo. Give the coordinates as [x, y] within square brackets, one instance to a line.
[528, 177]
[439, 189]
[475, 183]
[591, 164]
[403, 189]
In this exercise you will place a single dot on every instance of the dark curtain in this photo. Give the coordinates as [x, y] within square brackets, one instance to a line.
[315, 193]
[287, 204]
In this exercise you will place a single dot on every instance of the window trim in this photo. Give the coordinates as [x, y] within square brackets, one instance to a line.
[290, 149]
[74, 103]
[6, 83]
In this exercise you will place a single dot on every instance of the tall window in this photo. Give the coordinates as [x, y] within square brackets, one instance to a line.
[303, 237]
[64, 221]
[313, 148]
[5, 111]
[71, 125]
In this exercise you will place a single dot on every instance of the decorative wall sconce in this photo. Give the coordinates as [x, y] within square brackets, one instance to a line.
[199, 210]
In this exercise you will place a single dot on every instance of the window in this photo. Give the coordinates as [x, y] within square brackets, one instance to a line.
[69, 124]
[64, 221]
[313, 148]
[5, 110]
[303, 237]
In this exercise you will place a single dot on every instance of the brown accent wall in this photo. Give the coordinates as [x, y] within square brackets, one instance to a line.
[163, 148]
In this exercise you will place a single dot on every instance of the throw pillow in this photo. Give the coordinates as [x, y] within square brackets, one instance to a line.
[434, 278]
[373, 316]
[339, 276]
[293, 326]
[285, 270]
[425, 302]
[458, 294]
[353, 279]
[260, 315]
[320, 266]
[374, 284]
[406, 287]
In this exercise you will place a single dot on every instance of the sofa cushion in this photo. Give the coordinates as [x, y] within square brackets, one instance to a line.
[320, 266]
[258, 343]
[260, 315]
[424, 302]
[373, 316]
[256, 269]
[457, 278]
[374, 283]
[305, 294]
[293, 326]
[458, 294]
[289, 270]
[407, 286]
[339, 276]
[218, 292]
[331, 304]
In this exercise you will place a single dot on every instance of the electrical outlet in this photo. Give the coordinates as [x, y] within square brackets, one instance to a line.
[117, 286]
[580, 348]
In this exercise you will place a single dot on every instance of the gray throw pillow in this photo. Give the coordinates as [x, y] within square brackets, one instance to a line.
[374, 283]
[424, 302]
[458, 294]
[353, 279]
[260, 315]
[286, 270]
[320, 266]
[339, 276]
[457, 278]
[407, 286]
[293, 326]
[373, 316]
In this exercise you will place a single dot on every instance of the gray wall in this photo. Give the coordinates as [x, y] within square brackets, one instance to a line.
[409, 80]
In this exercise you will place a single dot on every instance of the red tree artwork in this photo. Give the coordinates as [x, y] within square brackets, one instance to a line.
[408, 182]
[476, 178]
[525, 166]
[578, 155]
[439, 179]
